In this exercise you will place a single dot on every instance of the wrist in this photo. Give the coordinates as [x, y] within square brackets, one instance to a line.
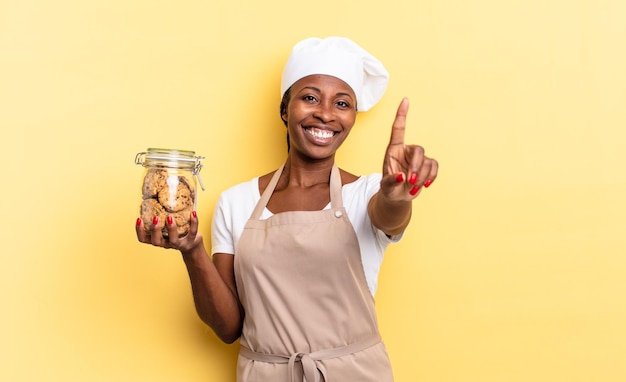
[194, 253]
[388, 215]
[393, 205]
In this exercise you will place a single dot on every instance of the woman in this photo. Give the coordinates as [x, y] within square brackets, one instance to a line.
[296, 252]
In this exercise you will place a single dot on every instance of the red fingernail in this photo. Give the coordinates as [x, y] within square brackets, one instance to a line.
[400, 178]
[414, 190]
[428, 183]
[170, 221]
[413, 178]
[194, 214]
[138, 222]
[155, 220]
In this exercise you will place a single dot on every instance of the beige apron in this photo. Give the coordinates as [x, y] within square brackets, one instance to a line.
[309, 315]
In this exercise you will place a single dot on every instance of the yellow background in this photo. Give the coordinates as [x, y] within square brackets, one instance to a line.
[513, 268]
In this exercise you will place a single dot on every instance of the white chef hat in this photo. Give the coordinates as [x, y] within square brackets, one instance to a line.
[338, 57]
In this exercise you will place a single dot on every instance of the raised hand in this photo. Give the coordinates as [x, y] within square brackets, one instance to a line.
[406, 170]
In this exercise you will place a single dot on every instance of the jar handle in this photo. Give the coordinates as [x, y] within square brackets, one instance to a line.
[139, 158]
[196, 171]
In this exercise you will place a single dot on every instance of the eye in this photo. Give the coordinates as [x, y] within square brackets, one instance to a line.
[309, 98]
[343, 104]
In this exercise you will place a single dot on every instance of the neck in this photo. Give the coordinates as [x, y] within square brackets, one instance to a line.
[299, 173]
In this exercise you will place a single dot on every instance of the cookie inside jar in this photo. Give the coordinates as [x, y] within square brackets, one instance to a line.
[167, 193]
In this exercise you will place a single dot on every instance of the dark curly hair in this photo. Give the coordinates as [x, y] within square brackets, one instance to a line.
[283, 109]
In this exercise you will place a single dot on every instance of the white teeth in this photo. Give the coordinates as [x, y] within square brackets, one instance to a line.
[317, 133]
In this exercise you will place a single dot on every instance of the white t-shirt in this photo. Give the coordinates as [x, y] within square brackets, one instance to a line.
[236, 204]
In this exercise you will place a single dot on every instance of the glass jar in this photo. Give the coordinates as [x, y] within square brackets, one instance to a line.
[168, 187]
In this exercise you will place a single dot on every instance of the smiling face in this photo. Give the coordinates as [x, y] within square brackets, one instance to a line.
[319, 114]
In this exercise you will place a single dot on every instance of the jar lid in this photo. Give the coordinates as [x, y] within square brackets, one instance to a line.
[172, 158]
[182, 152]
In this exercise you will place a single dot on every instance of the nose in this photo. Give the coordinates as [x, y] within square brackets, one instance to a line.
[324, 112]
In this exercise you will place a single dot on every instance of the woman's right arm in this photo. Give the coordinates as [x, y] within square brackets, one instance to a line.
[212, 282]
[214, 292]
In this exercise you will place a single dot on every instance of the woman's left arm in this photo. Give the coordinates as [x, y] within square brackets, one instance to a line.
[406, 170]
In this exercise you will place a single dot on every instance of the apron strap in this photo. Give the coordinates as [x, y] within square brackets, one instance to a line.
[336, 201]
[267, 194]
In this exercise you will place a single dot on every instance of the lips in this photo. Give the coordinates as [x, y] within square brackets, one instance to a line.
[319, 133]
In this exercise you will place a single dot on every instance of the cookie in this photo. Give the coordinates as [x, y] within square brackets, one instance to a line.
[175, 195]
[149, 209]
[189, 185]
[183, 221]
[153, 181]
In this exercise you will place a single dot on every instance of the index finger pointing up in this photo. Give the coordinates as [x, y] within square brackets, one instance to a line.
[399, 124]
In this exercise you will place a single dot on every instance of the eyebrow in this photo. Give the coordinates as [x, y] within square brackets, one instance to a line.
[311, 87]
[319, 91]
